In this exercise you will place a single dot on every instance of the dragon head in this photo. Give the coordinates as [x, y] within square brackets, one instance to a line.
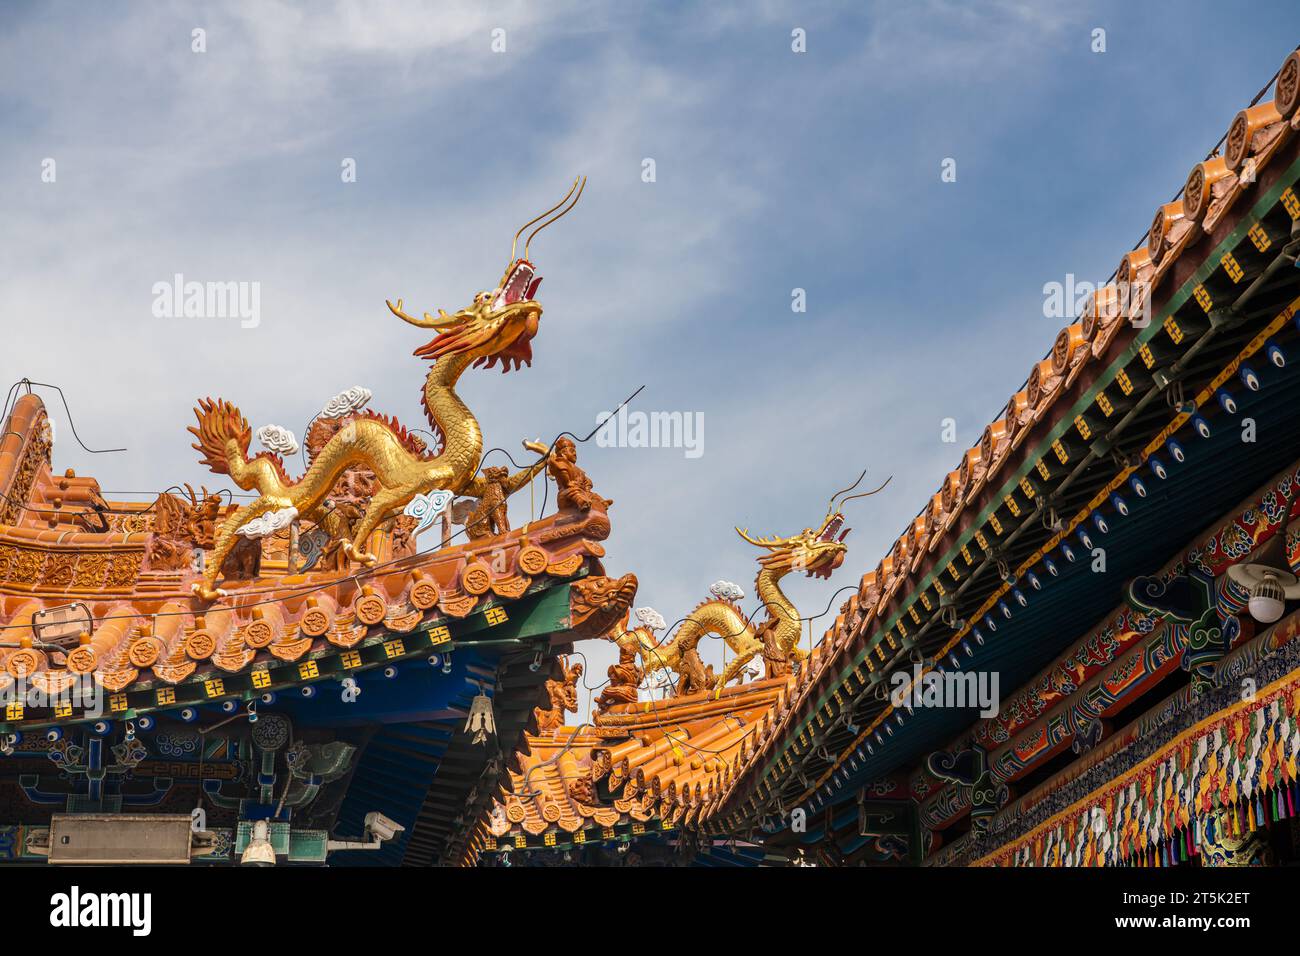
[815, 551]
[499, 324]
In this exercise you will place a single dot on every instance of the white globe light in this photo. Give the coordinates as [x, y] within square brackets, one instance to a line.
[1267, 599]
[1266, 609]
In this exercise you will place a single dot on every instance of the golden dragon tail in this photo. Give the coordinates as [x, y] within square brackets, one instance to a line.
[224, 435]
[718, 617]
[723, 619]
[220, 422]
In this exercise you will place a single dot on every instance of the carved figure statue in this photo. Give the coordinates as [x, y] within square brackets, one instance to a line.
[180, 526]
[563, 695]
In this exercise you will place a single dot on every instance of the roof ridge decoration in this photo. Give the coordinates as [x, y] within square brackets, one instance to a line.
[815, 551]
[563, 696]
[668, 759]
[298, 606]
[144, 633]
[498, 326]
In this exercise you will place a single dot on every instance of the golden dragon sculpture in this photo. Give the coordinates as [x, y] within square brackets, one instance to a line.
[497, 327]
[815, 551]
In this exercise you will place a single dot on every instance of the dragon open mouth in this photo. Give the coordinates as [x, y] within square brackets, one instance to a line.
[831, 533]
[832, 528]
[520, 283]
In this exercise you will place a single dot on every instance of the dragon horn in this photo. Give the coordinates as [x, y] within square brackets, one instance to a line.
[515, 244]
[428, 322]
[760, 542]
[567, 209]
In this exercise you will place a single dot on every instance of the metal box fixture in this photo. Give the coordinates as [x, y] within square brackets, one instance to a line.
[120, 838]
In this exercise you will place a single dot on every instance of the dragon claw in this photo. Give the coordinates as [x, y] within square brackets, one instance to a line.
[361, 557]
[204, 593]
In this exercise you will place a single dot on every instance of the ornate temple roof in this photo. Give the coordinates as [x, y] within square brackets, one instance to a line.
[86, 590]
[1238, 202]
[120, 622]
[1193, 302]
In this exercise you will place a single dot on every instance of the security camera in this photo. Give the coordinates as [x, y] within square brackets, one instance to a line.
[379, 827]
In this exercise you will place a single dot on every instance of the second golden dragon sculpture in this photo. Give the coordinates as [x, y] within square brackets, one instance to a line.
[497, 327]
[815, 551]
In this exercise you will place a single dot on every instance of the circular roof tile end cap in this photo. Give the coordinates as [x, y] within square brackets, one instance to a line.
[1131, 265]
[1166, 215]
[1068, 341]
[1198, 189]
[1286, 93]
[1236, 148]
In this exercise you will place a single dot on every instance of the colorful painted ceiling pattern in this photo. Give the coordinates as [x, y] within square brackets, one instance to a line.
[1233, 771]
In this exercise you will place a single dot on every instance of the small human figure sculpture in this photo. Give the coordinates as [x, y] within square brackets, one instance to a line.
[563, 695]
[776, 661]
[624, 678]
[574, 486]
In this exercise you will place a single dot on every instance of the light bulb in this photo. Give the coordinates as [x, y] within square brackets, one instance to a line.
[1266, 599]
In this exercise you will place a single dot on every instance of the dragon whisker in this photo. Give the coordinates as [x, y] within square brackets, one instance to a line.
[515, 243]
[867, 494]
[845, 491]
[562, 213]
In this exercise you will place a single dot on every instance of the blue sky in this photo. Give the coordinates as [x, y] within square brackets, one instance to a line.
[774, 171]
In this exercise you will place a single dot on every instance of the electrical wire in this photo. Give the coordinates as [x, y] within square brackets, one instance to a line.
[71, 423]
[108, 510]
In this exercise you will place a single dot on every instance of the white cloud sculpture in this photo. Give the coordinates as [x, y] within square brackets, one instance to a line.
[269, 523]
[726, 591]
[424, 508]
[346, 402]
[650, 618]
[278, 439]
